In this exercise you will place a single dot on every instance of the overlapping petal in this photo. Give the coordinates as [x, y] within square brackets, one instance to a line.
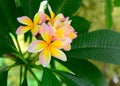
[22, 29]
[45, 57]
[57, 44]
[36, 46]
[58, 54]
[52, 14]
[25, 20]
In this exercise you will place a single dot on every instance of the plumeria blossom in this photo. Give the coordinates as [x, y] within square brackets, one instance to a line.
[62, 29]
[47, 47]
[56, 33]
[34, 26]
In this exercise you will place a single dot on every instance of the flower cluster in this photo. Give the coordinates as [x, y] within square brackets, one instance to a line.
[56, 33]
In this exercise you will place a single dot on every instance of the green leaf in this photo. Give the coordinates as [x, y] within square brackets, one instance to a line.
[6, 43]
[8, 14]
[108, 13]
[86, 71]
[73, 80]
[80, 24]
[67, 7]
[30, 7]
[117, 3]
[3, 76]
[102, 45]
[25, 81]
[49, 79]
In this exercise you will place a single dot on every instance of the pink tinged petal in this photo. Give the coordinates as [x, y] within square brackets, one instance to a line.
[22, 29]
[58, 54]
[72, 35]
[35, 29]
[25, 20]
[36, 46]
[47, 28]
[57, 44]
[40, 17]
[45, 57]
[59, 17]
[46, 33]
[67, 47]
[46, 36]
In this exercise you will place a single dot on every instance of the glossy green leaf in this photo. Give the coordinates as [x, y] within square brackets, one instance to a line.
[67, 7]
[6, 43]
[108, 13]
[30, 7]
[73, 80]
[103, 45]
[3, 76]
[8, 14]
[80, 24]
[49, 79]
[86, 71]
[117, 3]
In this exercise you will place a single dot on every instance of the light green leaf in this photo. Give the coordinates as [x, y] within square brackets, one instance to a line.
[80, 24]
[86, 71]
[103, 45]
[67, 7]
[49, 79]
[73, 80]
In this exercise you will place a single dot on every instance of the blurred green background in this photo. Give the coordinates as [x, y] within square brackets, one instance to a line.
[94, 11]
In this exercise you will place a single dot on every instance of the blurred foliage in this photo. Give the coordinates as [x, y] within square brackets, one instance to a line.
[94, 11]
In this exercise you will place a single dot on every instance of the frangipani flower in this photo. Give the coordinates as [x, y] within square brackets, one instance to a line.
[34, 26]
[62, 30]
[47, 47]
[54, 18]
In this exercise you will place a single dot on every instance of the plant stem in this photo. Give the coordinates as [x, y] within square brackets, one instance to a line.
[21, 74]
[38, 81]
[52, 64]
[21, 57]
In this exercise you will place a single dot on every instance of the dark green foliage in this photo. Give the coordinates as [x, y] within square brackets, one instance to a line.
[67, 7]
[30, 7]
[103, 45]
[73, 80]
[117, 3]
[49, 79]
[85, 71]
[80, 24]
[3, 76]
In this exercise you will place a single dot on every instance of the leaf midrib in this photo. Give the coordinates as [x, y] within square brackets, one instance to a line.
[58, 11]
